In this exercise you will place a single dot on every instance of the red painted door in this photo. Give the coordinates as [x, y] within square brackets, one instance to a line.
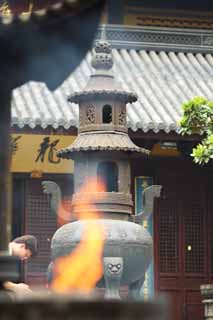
[182, 243]
[41, 222]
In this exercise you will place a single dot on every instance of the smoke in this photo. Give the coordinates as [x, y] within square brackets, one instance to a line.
[47, 50]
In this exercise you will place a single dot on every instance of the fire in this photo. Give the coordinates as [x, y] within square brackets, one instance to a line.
[82, 269]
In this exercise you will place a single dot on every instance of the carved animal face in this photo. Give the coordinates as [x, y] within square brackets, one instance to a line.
[113, 266]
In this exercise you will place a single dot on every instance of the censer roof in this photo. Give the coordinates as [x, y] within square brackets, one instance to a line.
[101, 141]
[103, 87]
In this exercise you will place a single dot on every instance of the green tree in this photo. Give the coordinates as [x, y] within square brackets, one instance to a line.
[198, 119]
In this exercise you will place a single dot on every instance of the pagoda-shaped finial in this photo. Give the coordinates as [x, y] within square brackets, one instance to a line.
[103, 34]
[102, 54]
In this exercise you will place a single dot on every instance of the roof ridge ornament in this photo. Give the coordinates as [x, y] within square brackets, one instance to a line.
[102, 53]
[103, 33]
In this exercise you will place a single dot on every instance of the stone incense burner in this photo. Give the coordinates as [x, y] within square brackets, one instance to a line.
[104, 150]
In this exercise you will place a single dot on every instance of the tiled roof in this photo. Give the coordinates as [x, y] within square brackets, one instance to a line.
[101, 141]
[34, 105]
[162, 81]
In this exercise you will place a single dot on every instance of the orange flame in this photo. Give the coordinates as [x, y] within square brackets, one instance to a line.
[82, 269]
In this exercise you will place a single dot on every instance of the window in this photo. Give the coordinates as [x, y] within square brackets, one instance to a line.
[108, 174]
[107, 114]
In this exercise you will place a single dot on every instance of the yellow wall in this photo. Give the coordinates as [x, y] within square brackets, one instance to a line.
[27, 155]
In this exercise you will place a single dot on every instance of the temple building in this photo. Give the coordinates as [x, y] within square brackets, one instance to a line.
[163, 53]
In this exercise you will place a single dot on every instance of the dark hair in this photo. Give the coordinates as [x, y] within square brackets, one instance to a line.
[31, 243]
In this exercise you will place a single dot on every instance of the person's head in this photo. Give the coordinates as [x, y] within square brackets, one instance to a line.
[24, 247]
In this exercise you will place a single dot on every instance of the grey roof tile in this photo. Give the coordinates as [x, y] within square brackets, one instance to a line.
[162, 81]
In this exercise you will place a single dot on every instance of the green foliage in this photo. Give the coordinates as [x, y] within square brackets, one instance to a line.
[198, 119]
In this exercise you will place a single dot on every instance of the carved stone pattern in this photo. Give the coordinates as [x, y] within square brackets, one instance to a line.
[123, 234]
[171, 38]
[113, 266]
[102, 61]
[122, 117]
[90, 115]
[140, 36]
[208, 41]
[80, 117]
[174, 22]
[155, 37]
[103, 46]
